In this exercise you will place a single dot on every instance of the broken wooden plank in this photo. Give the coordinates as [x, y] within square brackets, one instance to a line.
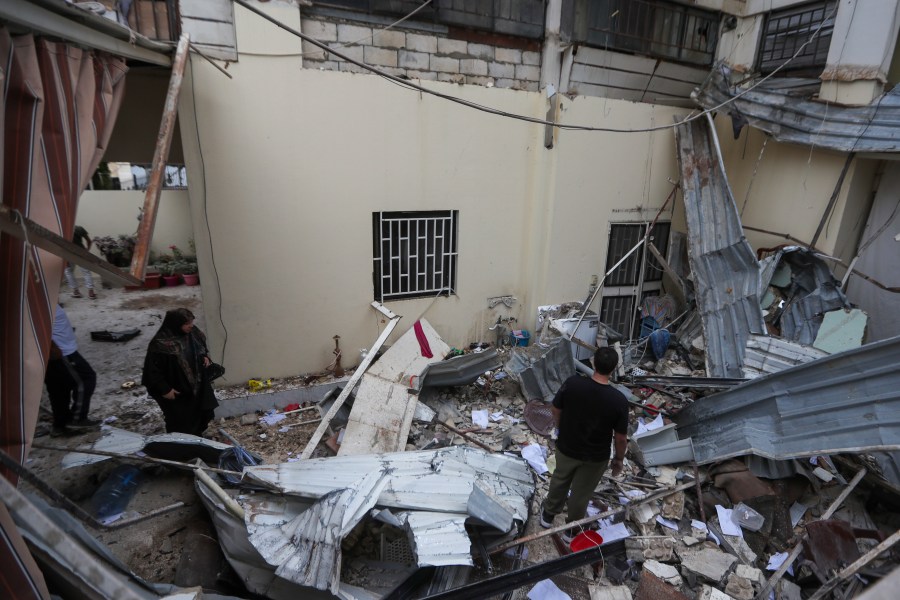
[160, 156]
[345, 393]
[14, 223]
[779, 573]
[463, 435]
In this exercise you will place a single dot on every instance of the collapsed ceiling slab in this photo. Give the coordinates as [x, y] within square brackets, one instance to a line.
[725, 270]
[793, 115]
[847, 402]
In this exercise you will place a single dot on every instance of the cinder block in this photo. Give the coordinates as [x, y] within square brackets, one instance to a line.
[443, 64]
[507, 55]
[505, 83]
[473, 66]
[327, 65]
[455, 47]
[354, 33]
[451, 77]
[351, 68]
[482, 51]
[390, 39]
[311, 52]
[531, 58]
[321, 30]
[412, 60]
[423, 75]
[496, 69]
[421, 43]
[479, 80]
[354, 52]
[380, 56]
[528, 73]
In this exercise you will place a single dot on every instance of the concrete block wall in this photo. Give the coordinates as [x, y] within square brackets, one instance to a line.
[420, 55]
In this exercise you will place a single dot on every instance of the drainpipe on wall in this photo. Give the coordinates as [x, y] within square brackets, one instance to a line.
[551, 65]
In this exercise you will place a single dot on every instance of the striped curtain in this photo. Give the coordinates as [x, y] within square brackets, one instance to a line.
[59, 104]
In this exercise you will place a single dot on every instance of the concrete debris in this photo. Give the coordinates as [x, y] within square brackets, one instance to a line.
[739, 587]
[660, 550]
[712, 565]
[619, 592]
[711, 593]
[667, 573]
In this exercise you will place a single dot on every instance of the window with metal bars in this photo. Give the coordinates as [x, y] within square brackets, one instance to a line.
[414, 254]
[788, 29]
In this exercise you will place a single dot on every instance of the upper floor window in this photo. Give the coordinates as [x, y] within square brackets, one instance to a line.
[650, 27]
[415, 254]
[786, 31]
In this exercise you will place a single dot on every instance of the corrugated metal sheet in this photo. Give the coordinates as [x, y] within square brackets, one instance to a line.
[847, 402]
[813, 291]
[439, 539]
[725, 270]
[124, 442]
[791, 115]
[459, 370]
[541, 370]
[766, 355]
[430, 480]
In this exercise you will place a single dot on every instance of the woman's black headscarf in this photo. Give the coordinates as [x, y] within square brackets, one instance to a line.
[189, 348]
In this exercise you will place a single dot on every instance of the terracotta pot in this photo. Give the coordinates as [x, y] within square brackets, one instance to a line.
[191, 278]
[172, 280]
[152, 281]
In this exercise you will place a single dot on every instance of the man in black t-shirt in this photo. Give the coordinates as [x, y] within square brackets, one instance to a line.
[590, 413]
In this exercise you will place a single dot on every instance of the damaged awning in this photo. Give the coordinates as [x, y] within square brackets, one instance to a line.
[847, 402]
[792, 115]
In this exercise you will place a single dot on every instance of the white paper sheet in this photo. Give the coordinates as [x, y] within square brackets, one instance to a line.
[667, 523]
[480, 418]
[614, 532]
[776, 560]
[535, 455]
[649, 426]
[726, 524]
[547, 590]
[271, 419]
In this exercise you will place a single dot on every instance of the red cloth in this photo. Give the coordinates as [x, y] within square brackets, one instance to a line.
[423, 341]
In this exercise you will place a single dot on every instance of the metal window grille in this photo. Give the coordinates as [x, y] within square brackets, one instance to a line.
[415, 254]
[656, 28]
[787, 30]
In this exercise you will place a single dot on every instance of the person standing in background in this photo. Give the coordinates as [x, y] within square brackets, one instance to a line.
[70, 380]
[84, 240]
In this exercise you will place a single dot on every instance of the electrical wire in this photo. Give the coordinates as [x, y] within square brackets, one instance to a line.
[487, 109]
[212, 254]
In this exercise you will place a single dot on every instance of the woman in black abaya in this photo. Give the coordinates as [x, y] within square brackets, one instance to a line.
[175, 374]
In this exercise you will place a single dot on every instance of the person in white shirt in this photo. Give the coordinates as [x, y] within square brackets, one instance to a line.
[70, 380]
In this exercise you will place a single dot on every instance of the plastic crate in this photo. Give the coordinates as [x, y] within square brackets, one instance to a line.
[519, 337]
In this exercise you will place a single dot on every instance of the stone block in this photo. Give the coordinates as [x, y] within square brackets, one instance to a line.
[389, 39]
[443, 64]
[711, 593]
[482, 51]
[713, 565]
[421, 43]
[747, 572]
[380, 56]
[413, 60]
[354, 33]
[616, 592]
[321, 30]
[472, 66]
[452, 78]
[526, 73]
[739, 588]
[499, 70]
[667, 573]
[457, 48]
[507, 55]
[531, 58]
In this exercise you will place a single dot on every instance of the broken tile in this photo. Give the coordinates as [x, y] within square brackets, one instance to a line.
[739, 588]
[667, 573]
[711, 593]
[713, 565]
[619, 592]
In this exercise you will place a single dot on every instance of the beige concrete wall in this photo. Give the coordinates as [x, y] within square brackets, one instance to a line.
[291, 163]
[115, 212]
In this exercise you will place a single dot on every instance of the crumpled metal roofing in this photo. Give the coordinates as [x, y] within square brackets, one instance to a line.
[847, 402]
[725, 270]
[121, 441]
[431, 480]
[541, 370]
[459, 370]
[817, 292]
[766, 355]
[790, 115]
[439, 539]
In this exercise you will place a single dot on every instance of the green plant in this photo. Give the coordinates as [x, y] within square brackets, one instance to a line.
[117, 250]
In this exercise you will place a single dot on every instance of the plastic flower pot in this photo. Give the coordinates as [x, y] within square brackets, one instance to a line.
[152, 281]
[191, 278]
[172, 280]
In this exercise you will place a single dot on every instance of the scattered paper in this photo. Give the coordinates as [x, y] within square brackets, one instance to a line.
[650, 426]
[776, 560]
[728, 526]
[797, 512]
[618, 531]
[284, 429]
[592, 510]
[497, 416]
[480, 418]
[272, 418]
[514, 552]
[547, 590]
[667, 523]
[536, 457]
